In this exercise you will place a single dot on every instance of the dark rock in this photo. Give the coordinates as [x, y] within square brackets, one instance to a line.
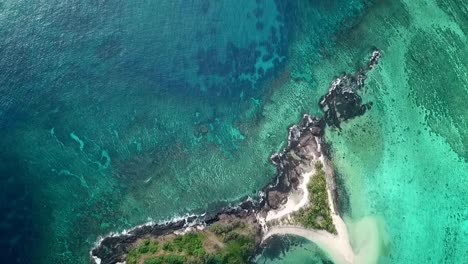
[276, 159]
[306, 137]
[301, 147]
[113, 249]
[294, 178]
[342, 102]
[247, 205]
[374, 59]
[302, 153]
[276, 199]
[317, 131]
[294, 135]
[191, 219]
[308, 121]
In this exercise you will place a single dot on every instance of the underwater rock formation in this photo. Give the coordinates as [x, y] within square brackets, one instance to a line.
[342, 102]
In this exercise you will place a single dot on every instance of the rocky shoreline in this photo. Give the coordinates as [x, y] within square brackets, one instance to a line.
[113, 248]
[305, 144]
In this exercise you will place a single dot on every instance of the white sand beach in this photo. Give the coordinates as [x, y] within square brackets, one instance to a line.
[365, 235]
[300, 197]
[340, 253]
[296, 199]
[337, 246]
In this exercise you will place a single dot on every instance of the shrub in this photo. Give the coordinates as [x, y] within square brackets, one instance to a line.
[215, 259]
[174, 259]
[220, 229]
[153, 261]
[230, 236]
[167, 259]
[317, 215]
[168, 246]
[239, 250]
[133, 256]
[148, 246]
[191, 243]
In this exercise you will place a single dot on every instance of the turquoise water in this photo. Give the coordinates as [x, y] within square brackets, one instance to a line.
[290, 250]
[115, 112]
[405, 162]
[403, 166]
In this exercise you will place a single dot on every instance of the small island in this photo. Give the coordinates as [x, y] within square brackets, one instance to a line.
[229, 240]
[302, 200]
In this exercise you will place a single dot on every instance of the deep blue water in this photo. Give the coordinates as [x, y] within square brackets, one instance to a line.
[111, 112]
[79, 79]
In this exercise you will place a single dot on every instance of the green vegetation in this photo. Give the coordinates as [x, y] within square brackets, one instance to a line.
[317, 214]
[225, 229]
[147, 246]
[191, 244]
[169, 259]
[239, 243]
[237, 250]
[220, 243]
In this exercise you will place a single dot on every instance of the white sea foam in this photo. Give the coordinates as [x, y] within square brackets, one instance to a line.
[96, 260]
[197, 224]
[126, 232]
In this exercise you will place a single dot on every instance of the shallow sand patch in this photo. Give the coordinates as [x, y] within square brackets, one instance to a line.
[368, 239]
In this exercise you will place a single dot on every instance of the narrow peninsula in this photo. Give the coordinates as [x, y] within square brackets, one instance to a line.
[302, 200]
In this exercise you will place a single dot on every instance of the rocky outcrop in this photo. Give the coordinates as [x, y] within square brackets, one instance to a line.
[294, 159]
[343, 102]
[114, 248]
[276, 198]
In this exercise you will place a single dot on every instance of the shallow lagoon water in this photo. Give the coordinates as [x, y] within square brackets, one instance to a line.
[405, 161]
[292, 249]
[403, 166]
[113, 113]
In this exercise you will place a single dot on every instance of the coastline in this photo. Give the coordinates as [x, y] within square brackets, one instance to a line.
[337, 246]
[278, 201]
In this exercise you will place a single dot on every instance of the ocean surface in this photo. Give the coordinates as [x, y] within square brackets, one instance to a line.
[114, 113]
